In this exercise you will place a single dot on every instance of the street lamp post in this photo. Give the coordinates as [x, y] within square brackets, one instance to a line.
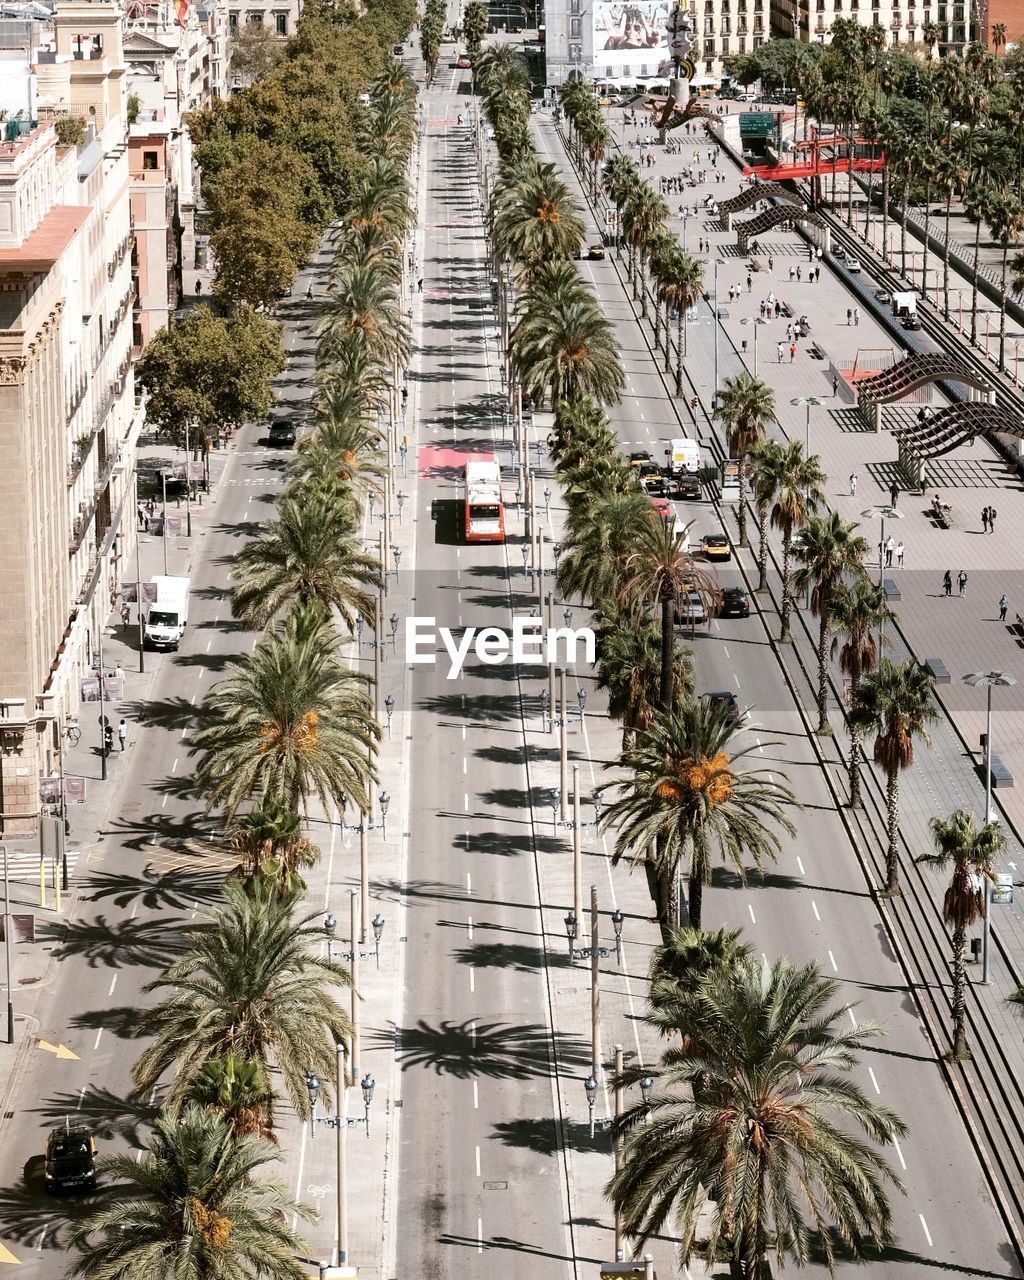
[757, 322]
[883, 514]
[719, 262]
[988, 680]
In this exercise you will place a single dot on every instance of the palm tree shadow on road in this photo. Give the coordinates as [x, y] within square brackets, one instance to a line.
[499, 1051]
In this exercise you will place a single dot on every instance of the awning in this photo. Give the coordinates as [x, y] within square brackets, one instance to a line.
[703, 82]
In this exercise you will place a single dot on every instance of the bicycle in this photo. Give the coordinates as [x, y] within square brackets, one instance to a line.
[73, 733]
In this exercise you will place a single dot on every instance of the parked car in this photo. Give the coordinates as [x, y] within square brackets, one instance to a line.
[398, 50]
[726, 703]
[735, 603]
[715, 546]
[69, 1162]
[690, 609]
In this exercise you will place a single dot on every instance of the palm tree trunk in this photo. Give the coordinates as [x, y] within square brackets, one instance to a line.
[642, 279]
[974, 282]
[855, 751]
[787, 602]
[945, 254]
[892, 869]
[959, 995]
[1002, 307]
[762, 549]
[696, 899]
[668, 337]
[668, 645]
[742, 513]
[904, 209]
[680, 322]
[823, 724]
[886, 187]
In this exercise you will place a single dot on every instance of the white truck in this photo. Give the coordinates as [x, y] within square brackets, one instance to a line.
[167, 615]
[683, 455]
[904, 304]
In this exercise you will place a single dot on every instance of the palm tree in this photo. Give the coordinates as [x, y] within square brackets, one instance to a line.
[859, 609]
[563, 345]
[971, 854]
[744, 407]
[292, 720]
[239, 1092]
[769, 459]
[248, 983]
[536, 221]
[681, 285]
[629, 671]
[931, 33]
[311, 554]
[684, 794]
[642, 215]
[830, 550]
[681, 966]
[270, 842]
[498, 67]
[1006, 219]
[998, 36]
[895, 704]
[474, 25]
[769, 1143]
[798, 494]
[364, 303]
[598, 544]
[339, 460]
[192, 1209]
[656, 573]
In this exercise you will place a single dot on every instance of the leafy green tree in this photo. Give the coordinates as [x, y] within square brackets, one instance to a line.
[769, 1142]
[257, 257]
[249, 982]
[970, 854]
[254, 50]
[210, 371]
[311, 554]
[895, 703]
[744, 407]
[684, 794]
[290, 721]
[860, 608]
[195, 1208]
[830, 551]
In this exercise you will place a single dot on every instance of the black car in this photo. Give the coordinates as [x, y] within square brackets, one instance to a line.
[281, 433]
[735, 603]
[726, 703]
[70, 1159]
[913, 321]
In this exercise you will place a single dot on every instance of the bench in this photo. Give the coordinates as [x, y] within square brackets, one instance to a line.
[939, 670]
[753, 265]
[785, 309]
[892, 591]
[1018, 625]
[941, 517]
[1001, 775]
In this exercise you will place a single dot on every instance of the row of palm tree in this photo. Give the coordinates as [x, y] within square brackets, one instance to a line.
[431, 33]
[250, 1005]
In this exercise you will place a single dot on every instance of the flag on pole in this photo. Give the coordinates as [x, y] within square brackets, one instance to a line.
[181, 9]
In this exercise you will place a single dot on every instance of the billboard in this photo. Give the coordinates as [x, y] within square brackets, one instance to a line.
[631, 35]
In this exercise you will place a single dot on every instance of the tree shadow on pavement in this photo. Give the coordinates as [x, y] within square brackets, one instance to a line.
[500, 1051]
[152, 834]
[516, 1246]
[26, 1211]
[118, 943]
[122, 1022]
[487, 709]
[167, 713]
[168, 890]
[506, 844]
[108, 1114]
[539, 1136]
[508, 955]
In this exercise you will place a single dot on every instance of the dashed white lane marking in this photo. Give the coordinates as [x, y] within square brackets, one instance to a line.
[476, 1096]
[814, 908]
[800, 864]
[737, 679]
[479, 1235]
[832, 962]
[899, 1153]
[478, 1162]
[852, 1019]
[472, 980]
[873, 1080]
[469, 927]
[113, 984]
[463, 733]
[175, 765]
[751, 910]
[927, 1233]
[465, 801]
[469, 883]
[96, 1042]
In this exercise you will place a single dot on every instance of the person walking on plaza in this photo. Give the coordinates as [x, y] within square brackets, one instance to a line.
[947, 583]
[991, 519]
[853, 484]
[849, 314]
[899, 554]
[126, 613]
[780, 349]
[1004, 604]
[792, 352]
[122, 732]
[835, 384]
[856, 316]
[961, 582]
[894, 493]
[984, 519]
[890, 547]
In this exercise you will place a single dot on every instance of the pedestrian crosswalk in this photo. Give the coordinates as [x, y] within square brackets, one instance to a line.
[192, 855]
[23, 867]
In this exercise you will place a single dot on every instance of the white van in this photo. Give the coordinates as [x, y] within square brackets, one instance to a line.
[168, 614]
[684, 455]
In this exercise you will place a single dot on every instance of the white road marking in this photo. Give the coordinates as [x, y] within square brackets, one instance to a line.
[832, 962]
[800, 864]
[163, 803]
[899, 1152]
[469, 927]
[814, 908]
[463, 733]
[873, 1080]
[208, 644]
[478, 1162]
[476, 1096]
[737, 679]
[472, 980]
[81, 1096]
[852, 1019]
[465, 801]
[135, 909]
[138, 1156]
[113, 984]
[469, 883]
[927, 1233]
[472, 1032]
[479, 1235]
[175, 765]
[725, 650]
[42, 1237]
[96, 1042]
[751, 910]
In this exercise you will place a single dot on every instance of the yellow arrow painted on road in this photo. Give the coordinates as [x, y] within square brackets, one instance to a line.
[61, 1050]
[7, 1256]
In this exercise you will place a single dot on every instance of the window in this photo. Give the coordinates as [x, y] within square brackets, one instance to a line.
[743, 45]
[709, 26]
[149, 159]
[724, 53]
[758, 41]
[725, 26]
[255, 19]
[232, 21]
[576, 28]
[575, 53]
[709, 48]
[281, 21]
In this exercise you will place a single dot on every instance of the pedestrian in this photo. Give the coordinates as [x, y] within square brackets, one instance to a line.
[108, 739]
[1004, 604]
[947, 583]
[849, 315]
[126, 613]
[894, 493]
[890, 547]
[835, 384]
[771, 263]
[778, 308]
[792, 272]
[122, 732]
[309, 289]
[460, 119]
[853, 484]
[798, 277]
[899, 554]
[419, 285]
[792, 352]
[856, 316]
[789, 333]
[984, 519]
[780, 349]
[119, 672]
[991, 519]
[750, 282]
[961, 582]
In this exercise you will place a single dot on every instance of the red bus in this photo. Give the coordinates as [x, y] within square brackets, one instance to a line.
[485, 511]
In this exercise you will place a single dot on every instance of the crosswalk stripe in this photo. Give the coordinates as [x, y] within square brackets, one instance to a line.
[25, 866]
